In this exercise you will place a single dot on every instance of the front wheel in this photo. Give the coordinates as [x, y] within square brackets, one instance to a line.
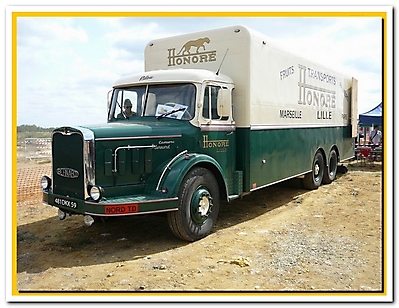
[313, 179]
[198, 206]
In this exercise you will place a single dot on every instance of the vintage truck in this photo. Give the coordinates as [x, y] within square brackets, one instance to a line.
[216, 115]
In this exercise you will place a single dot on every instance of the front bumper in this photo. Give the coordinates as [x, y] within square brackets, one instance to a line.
[115, 206]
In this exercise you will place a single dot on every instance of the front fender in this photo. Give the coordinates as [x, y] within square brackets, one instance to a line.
[176, 172]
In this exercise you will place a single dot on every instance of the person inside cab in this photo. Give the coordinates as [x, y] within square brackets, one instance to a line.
[127, 112]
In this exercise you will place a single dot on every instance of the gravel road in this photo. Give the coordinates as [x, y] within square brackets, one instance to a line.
[276, 240]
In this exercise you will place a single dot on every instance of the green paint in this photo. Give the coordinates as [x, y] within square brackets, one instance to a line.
[276, 154]
[143, 161]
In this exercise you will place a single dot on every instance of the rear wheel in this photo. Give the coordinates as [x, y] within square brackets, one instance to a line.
[313, 179]
[330, 171]
[198, 206]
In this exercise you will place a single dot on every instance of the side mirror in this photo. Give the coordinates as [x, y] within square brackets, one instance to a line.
[224, 102]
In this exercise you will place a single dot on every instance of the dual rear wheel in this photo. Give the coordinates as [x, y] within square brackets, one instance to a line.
[321, 171]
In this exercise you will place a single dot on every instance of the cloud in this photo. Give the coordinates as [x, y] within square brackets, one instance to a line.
[74, 62]
[366, 64]
[44, 32]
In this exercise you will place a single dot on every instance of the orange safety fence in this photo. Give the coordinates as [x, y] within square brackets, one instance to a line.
[28, 183]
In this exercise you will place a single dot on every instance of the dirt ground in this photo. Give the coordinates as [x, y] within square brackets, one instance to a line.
[279, 239]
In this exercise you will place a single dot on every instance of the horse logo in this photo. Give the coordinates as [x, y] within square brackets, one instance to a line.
[194, 43]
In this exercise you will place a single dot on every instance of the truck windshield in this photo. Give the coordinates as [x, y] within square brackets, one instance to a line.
[175, 101]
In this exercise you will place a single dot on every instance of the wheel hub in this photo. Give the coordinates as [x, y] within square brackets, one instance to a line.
[204, 205]
[201, 205]
[316, 170]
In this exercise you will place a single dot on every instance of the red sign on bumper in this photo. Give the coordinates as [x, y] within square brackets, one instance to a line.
[121, 209]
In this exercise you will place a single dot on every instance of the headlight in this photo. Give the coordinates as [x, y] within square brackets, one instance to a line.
[45, 182]
[96, 192]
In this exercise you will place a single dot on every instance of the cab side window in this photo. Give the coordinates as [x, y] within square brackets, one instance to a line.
[210, 108]
[210, 111]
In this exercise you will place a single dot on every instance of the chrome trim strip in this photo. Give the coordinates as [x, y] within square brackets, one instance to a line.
[131, 203]
[282, 180]
[89, 166]
[87, 133]
[346, 159]
[129, 147]
[138, 138]
[131, 214]
[167, 166]
[217, 127]
[272, 126]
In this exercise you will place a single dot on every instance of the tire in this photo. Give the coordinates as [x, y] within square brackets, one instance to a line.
[313, 179]
[198, 206]
[330, 171]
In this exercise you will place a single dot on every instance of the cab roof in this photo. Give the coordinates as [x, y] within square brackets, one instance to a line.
[172, 76]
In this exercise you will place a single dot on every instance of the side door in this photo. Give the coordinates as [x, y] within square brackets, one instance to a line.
[218, 131]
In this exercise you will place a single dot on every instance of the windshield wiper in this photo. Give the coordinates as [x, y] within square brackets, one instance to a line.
[170, 112]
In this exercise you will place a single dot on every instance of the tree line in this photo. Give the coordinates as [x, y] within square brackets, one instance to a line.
[32, 131]
[32, 128]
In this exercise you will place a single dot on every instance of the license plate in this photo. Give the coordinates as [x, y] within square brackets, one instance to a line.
[65, 202]
[121, 209]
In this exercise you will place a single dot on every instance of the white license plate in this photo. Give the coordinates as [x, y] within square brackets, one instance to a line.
[65, 202]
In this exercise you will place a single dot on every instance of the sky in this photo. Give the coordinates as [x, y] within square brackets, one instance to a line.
[67, 65]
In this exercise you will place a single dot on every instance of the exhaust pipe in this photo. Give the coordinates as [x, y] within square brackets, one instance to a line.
[61, 214]
[88, 220]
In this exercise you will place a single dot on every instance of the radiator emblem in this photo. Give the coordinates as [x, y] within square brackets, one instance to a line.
[68, 173]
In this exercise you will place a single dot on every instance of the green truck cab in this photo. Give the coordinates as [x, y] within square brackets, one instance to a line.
[181, 137]
[160, 159]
